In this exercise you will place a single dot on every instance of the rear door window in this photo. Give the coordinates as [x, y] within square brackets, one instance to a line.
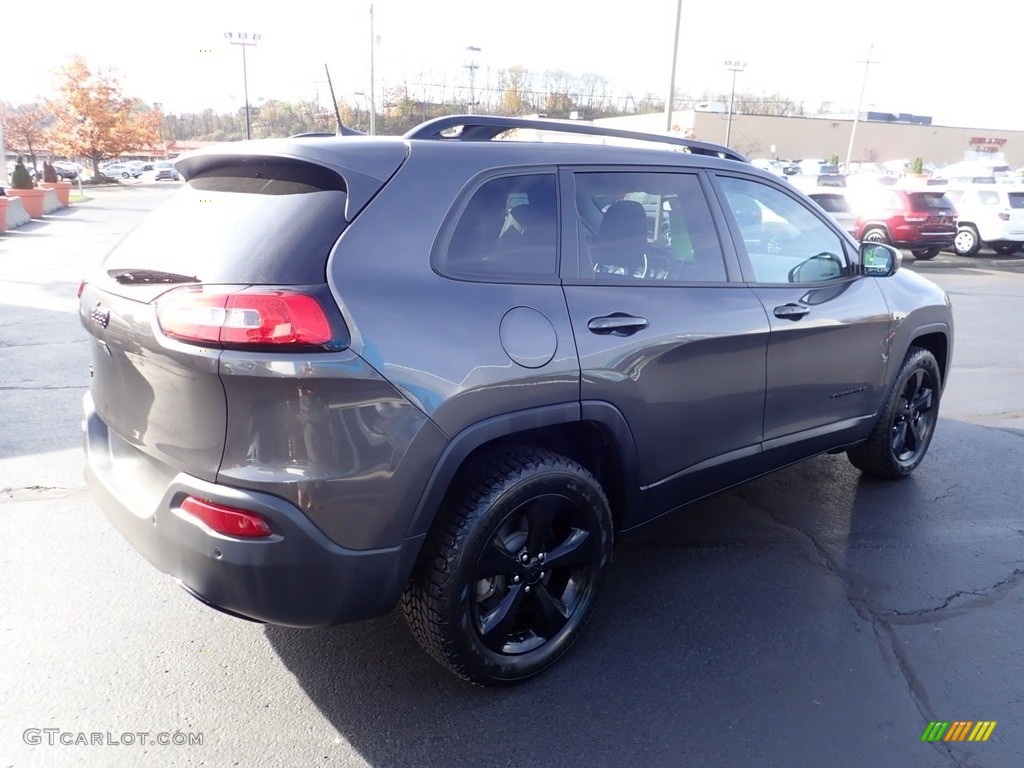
[1016, 199]
[507, 232]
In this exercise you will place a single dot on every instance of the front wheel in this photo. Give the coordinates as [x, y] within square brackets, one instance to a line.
[926, 254]
[903, 432]
[511, 571]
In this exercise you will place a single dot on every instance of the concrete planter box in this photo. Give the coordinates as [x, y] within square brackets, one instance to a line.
[63, 191]
[33, 200]
[51, 202]
[16, 213]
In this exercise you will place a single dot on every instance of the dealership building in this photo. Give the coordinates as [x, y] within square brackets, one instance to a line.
[878, 136]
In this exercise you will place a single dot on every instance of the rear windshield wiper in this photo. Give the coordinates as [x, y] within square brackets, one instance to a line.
[143, 276]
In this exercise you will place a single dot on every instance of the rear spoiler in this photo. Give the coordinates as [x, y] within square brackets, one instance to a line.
[364, 172]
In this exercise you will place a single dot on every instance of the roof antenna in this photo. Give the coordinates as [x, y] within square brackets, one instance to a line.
[343, 130]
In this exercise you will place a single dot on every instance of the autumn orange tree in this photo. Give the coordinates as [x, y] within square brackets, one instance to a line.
[92, 118]
[25, 129]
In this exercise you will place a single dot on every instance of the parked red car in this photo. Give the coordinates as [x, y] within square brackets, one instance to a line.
[923, 222]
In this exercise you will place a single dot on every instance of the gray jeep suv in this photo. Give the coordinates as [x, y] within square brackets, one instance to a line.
[446, 370]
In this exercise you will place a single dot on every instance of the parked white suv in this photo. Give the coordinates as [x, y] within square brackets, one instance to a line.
[991, 215]
[834, 202]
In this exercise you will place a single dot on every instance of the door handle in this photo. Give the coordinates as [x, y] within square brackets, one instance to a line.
[791, 311]
[617, 324]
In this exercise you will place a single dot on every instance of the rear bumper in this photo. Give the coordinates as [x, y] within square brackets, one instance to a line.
[297, 577]
[924, 242]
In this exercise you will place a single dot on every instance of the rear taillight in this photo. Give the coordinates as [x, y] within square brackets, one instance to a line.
[81, 287]
[245, 316]
[227, 520]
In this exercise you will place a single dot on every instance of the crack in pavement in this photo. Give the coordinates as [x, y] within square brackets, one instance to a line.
[40, 492]
[36, 389]
[987, 596]
[881, 624]
[945, 495]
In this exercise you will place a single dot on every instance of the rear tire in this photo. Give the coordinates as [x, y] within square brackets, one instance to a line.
[876, 235]
[926, 254]
[901, 436]
[511, 570]
[967, 242]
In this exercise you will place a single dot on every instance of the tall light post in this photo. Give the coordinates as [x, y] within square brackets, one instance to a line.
[471, 67]
[359, 122]
[3, 155]
[860, 103]
[735, 67]
[245, 40]
[670, 101]
[373, 85]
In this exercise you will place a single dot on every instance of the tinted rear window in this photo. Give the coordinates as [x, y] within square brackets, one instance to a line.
[508, 231]
[930, 202]
[1016, 199]
[832, 203]
[257, 221]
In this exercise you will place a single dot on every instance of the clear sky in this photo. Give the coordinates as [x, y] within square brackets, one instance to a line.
[935, 60]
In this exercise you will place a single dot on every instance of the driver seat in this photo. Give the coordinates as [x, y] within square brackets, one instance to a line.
[621, 240]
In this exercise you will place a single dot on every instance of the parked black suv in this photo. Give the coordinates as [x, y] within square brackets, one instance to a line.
[447, 370]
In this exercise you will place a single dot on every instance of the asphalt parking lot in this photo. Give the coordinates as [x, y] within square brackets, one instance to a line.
[809, 618]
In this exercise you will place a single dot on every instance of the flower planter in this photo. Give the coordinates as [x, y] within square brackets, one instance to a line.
[3, 215]
[63, 190]
[33, 200]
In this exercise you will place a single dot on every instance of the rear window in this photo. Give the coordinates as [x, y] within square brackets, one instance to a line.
[832, 203]
[508, 232]
[922, 201]
[1016, 199]
[258, 221]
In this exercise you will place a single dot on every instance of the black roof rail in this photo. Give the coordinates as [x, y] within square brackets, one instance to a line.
[486, 127]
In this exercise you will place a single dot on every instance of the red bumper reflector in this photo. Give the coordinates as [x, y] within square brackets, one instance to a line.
[227, 520]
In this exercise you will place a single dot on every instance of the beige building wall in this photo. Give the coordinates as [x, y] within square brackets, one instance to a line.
[796, 138]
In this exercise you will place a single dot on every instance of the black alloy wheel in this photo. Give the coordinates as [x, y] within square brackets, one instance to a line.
[508, 578]
[900, 439]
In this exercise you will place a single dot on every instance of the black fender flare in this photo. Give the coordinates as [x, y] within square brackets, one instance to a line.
[474, 436]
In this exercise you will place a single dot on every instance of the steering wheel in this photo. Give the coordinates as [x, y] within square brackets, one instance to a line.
[613, 269]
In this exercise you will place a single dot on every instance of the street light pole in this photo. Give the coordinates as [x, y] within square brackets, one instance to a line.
[734, 67]
[860, 102]
[669, 102]
[245, 40]
[3, 155]
[373, 87]
[472, 67]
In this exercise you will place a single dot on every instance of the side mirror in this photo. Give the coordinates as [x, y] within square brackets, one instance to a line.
[879, 259]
